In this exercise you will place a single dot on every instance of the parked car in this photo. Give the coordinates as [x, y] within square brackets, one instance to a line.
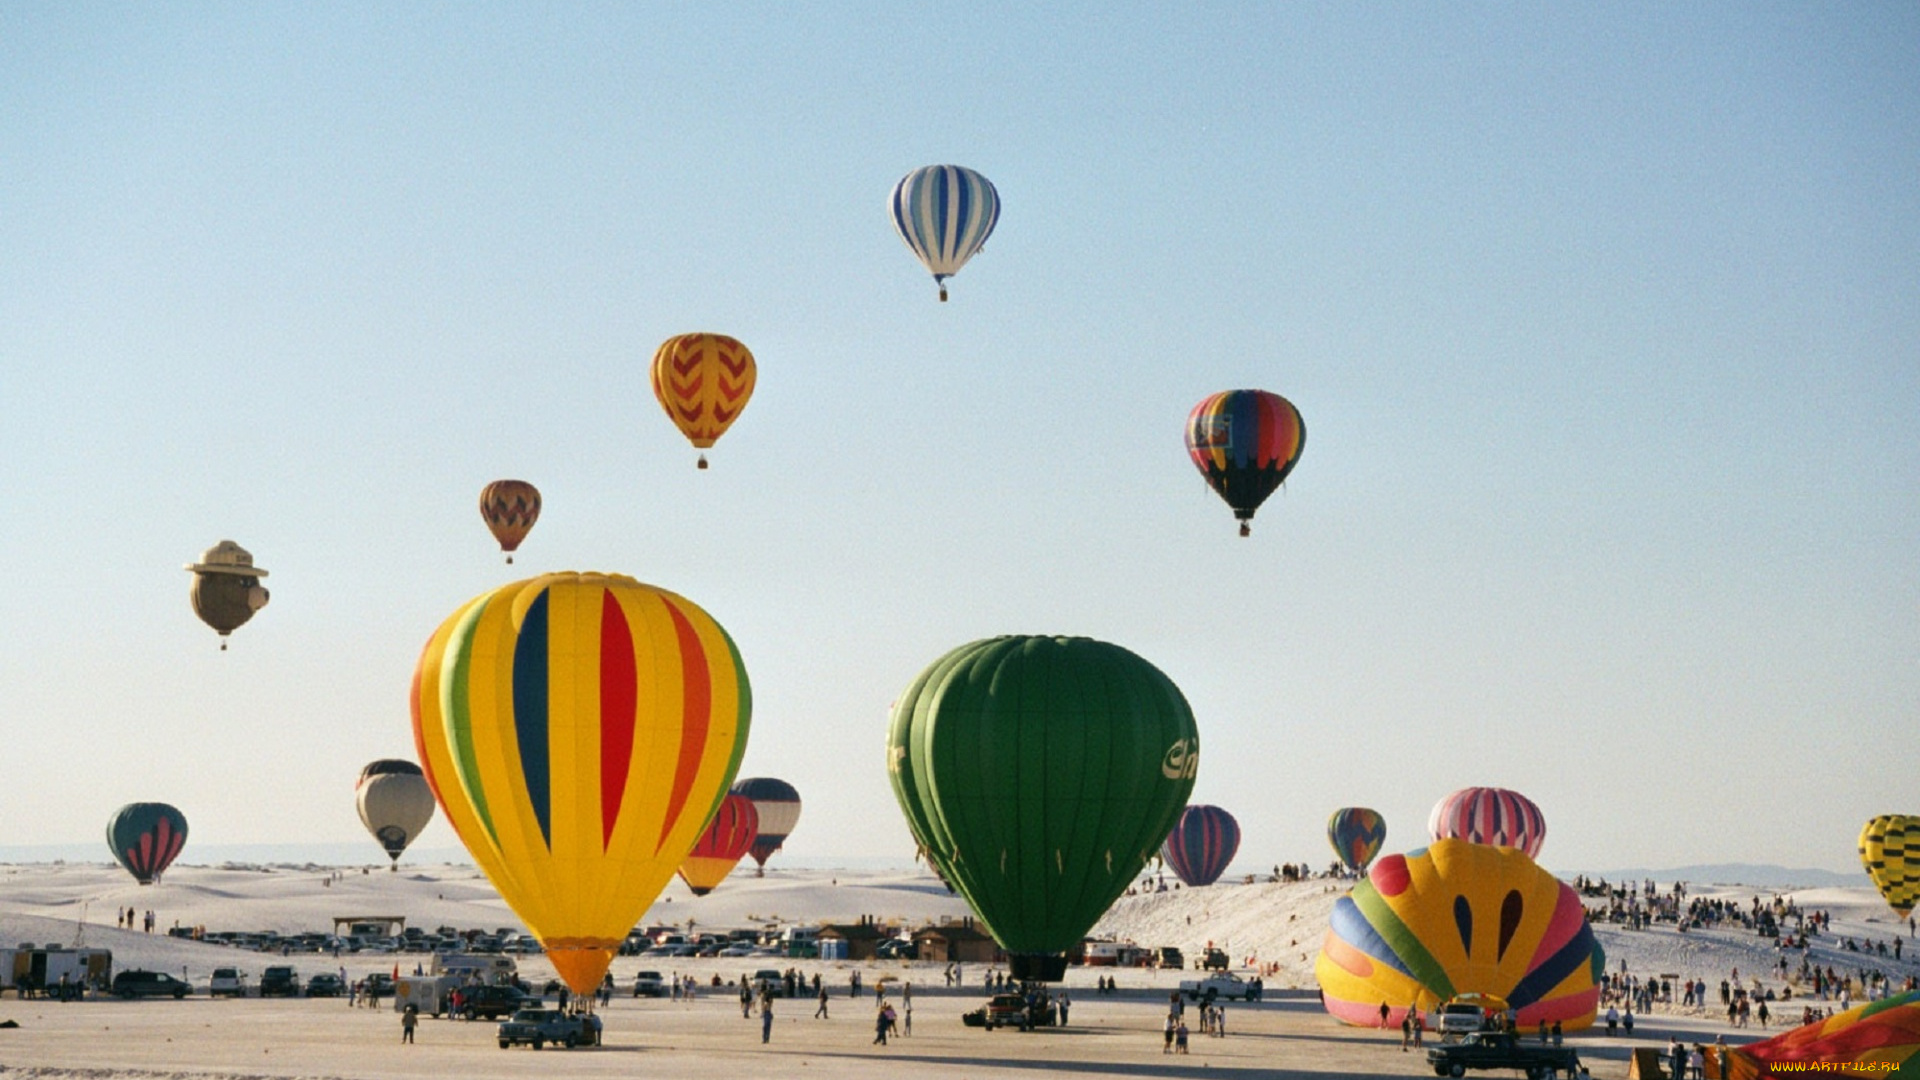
[542, 1026]
[771, 981]
[1010, 1010]
[1464, 1014]
[1499, 1050]
[325, 984]
[279, 981]
[227, 982]
[379, 985]
[1225, 984]
[137, 984]
[649, 984]
[490, 1002]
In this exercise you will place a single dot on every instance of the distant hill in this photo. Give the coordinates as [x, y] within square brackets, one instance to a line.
[1762, 876]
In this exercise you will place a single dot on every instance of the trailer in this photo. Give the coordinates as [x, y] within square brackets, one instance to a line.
[30, 970]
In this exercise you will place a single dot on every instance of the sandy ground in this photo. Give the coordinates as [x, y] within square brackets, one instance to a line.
[1287, 1036]
[1108, 1037]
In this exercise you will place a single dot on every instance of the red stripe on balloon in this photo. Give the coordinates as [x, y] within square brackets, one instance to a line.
[697, 714]
[619, 700]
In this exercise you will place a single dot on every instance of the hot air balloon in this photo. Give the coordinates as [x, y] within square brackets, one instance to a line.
[777, 805]
[1458, 918]
[1890, 850]
[510, 507]
[395, 804]
[1880, 1038]
[719, 849]
[226, 588]
[1202, 843]
[1356, 834]
[145, 837]
[579, 731]
[1038, 775]
[1485, 815]
[1245, 442]
[703, 381]
[945, 214]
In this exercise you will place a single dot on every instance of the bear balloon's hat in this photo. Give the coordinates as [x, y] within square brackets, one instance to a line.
[226, 557]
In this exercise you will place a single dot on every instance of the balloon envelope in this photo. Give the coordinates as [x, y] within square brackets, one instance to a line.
[1458, 918]
[1245, 442]
[719, 849]
[703, 381]
[510, 508]
[944, 214]
[226, 588]
[1890, 850]
[1356, 834]
[395, 803]
[579, 731]
[1880, 1038]
[1202, 843]
[145, 837]
[1038, 775]
[1485, 815]
[777, 806]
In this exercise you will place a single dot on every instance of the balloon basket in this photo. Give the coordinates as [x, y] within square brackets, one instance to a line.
[703, 462]
[943, 295]
[1246, 529]
[509, 560]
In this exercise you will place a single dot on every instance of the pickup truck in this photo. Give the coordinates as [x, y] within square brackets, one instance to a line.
[1225, 984]
[649, 984]
[1499, 1050]
[542, 1026]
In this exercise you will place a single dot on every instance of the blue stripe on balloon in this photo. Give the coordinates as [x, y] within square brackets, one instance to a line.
[1350, 925]
[530, 712]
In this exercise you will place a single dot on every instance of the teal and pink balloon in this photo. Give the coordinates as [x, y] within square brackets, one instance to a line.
[1202, 843]
[1356, 834]
[145, 837]
[1245, 442]
[1461, 918]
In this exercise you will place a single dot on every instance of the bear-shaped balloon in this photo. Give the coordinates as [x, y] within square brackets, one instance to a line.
[226, 588]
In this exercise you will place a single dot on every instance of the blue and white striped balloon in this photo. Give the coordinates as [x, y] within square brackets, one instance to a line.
[945, 214]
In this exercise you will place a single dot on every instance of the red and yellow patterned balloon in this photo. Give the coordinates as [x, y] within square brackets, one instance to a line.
[703, 381]
[510, 507]
[728, 837]
[578, 731]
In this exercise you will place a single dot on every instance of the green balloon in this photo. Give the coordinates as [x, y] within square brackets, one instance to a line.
[1038, 775]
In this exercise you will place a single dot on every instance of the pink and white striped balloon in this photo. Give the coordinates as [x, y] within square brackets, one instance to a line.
[1484, 815]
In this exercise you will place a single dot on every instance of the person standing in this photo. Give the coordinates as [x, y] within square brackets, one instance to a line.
[1066, 1003]
[746, 997]
[1180, 1038]
[1384, 1012]
[409, 1019]
[766, 1015]
[880, 1026]
[821, 1012]
[1166, 1046]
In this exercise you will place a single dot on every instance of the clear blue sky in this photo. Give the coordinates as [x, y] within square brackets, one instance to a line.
[1604, 320]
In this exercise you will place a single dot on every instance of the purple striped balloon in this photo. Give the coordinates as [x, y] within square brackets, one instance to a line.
[1485, 815]
[1202, 843]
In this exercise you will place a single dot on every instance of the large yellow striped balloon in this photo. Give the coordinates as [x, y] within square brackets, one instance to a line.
[1890, 850]
[579, 730]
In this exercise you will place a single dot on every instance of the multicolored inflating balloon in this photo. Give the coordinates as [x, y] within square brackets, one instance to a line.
[703, 381]
[944, 213]
[145, 837]
[1487, 815]
[1458, 918]
[1202, 843]
[1245, 442]
[729, 835]
[1356, 834]
[395, 803]
[510, 508]
[1881, 1038]
[1890, 850]
[778, 806]
[579, 730]
[1038, 775]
